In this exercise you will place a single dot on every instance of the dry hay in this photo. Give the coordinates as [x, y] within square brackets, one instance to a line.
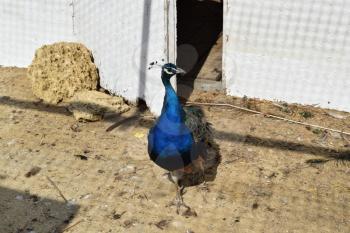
[61, 69]
[92, 105]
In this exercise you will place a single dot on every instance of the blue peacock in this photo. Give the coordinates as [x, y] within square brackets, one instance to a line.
[181, 139]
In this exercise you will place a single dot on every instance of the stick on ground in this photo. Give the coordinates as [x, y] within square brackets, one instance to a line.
[269, 116]
[73, 225]
[59, 191]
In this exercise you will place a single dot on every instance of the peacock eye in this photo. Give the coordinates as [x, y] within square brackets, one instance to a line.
[167, 70]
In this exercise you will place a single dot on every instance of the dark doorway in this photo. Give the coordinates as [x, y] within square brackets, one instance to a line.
[199, 45]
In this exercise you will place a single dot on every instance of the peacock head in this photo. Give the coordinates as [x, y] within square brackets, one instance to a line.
[168, 69]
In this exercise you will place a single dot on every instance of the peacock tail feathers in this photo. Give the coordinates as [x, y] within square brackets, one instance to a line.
[203, 135]
[196, 122]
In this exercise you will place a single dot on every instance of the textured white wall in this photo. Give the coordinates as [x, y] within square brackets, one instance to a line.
[125, 36]
[27, 25]
[290, 50]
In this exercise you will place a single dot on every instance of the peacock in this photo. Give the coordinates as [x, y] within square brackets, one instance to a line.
[181, 140]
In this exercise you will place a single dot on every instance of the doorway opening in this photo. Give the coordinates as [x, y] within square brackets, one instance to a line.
[199, 45]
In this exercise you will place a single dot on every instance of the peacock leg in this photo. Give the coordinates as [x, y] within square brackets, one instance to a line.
[179, 199]
[176, 178]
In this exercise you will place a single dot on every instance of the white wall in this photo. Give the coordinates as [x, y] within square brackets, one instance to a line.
[27, 25]
[290, 50]
[125, 36]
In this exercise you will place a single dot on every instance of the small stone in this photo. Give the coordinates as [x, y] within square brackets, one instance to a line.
[128, 169]
[34, 198]
[86, 151]
[82, 157]
[117, 216]
[129, 223]
[177, 224]
[85, 196]
[335, 135]
[19, 197]
[284, 200]
[71, 203]
[33, 171]
[12, 142]
[162, 224]
[189, 213]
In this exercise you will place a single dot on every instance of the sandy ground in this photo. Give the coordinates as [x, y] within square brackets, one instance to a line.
[274, 176]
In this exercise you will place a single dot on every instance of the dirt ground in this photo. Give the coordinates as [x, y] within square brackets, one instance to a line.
[274, 176]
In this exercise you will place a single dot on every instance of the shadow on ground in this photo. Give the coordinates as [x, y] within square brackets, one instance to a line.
[25, 212]
[123, 121]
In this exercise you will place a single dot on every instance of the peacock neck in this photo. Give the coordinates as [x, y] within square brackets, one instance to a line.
[171, 106]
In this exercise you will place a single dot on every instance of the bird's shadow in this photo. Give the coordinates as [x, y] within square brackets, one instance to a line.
[125, 122]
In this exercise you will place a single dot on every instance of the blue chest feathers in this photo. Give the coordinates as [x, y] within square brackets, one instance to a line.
[170, 141]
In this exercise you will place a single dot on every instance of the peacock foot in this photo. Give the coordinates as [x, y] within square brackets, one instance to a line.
[204, 186]
[181, 207]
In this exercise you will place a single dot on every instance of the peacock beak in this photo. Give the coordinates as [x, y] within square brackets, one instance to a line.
[180, 71]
